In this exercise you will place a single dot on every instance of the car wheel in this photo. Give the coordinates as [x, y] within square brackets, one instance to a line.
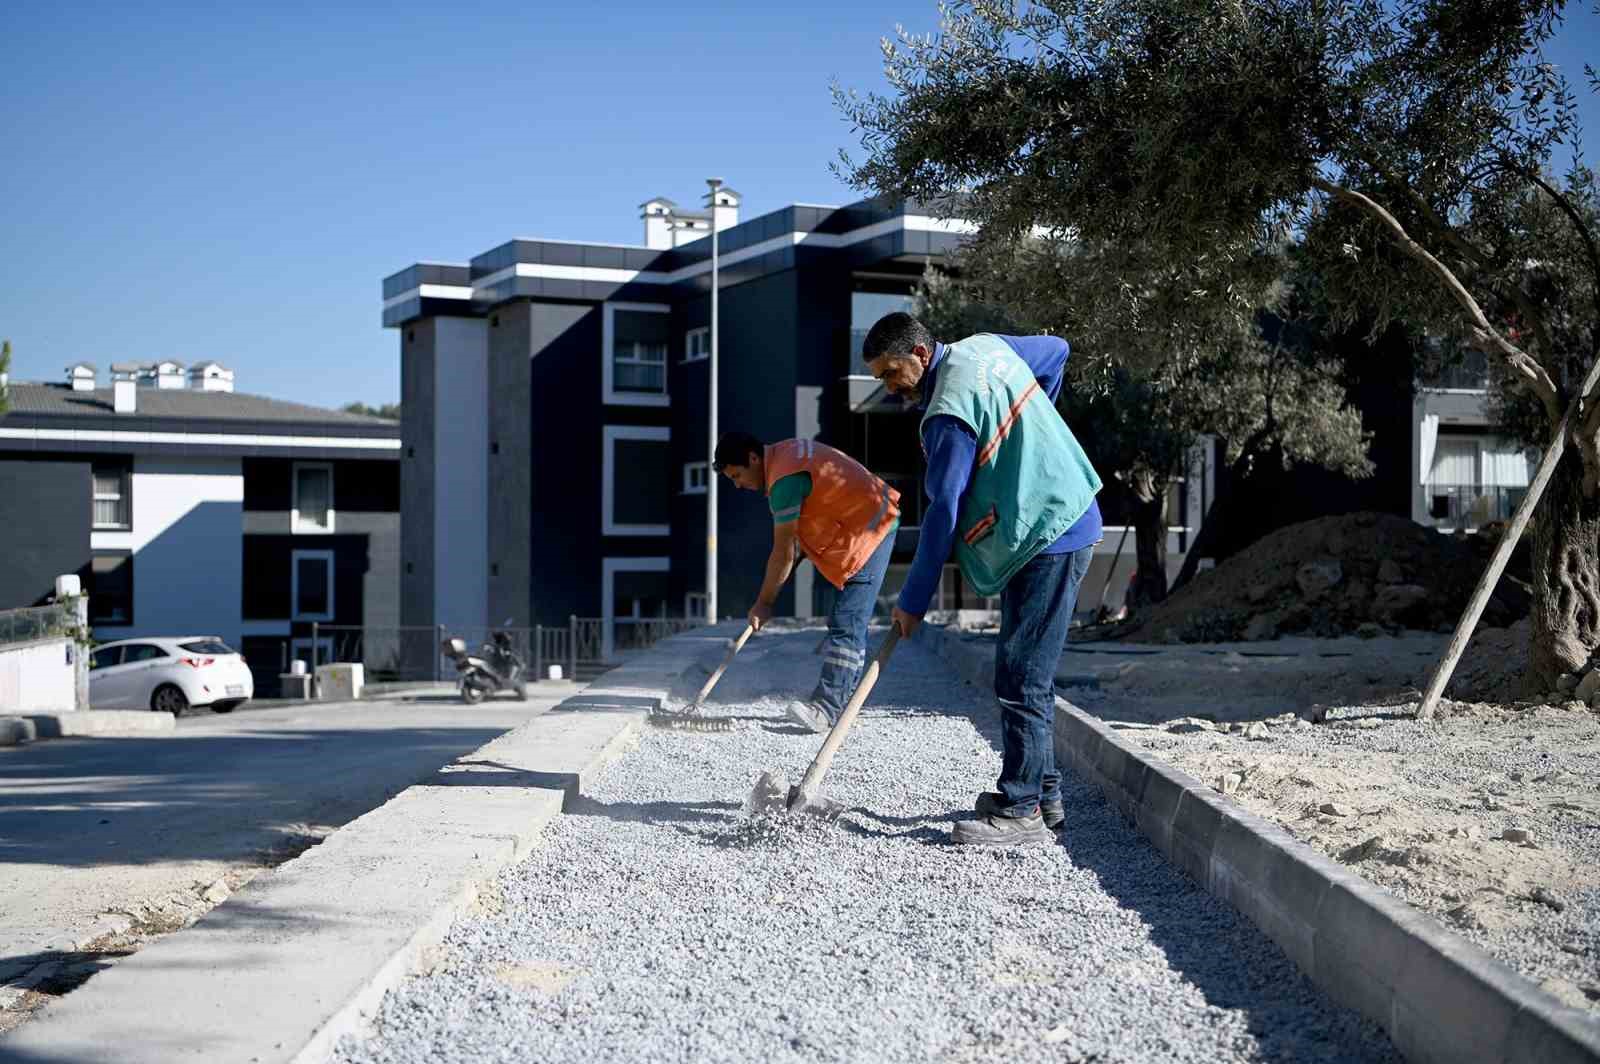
[169, 698]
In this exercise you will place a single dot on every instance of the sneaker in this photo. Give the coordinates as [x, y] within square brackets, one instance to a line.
[996, 830]
[808, 716]
[1054, 813]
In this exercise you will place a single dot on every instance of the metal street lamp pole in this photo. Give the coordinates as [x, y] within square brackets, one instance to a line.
[711, 474]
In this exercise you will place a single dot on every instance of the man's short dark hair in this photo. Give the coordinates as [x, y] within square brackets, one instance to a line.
[735, 449]
[895, 334]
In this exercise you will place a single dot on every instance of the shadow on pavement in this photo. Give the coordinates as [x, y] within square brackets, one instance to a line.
[89, 802]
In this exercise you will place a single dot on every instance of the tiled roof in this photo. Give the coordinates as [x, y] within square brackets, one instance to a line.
[43, 400]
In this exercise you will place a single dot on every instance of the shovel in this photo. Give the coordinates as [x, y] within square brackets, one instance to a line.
[772, 793]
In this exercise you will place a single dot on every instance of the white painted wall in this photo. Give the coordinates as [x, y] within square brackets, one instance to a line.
[461, 473]
[38, 677]
[187, 543]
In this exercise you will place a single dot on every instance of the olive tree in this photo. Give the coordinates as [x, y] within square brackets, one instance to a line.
[1409, 144]
[1140, 417]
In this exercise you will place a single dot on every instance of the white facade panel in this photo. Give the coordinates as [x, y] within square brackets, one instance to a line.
[188, 565]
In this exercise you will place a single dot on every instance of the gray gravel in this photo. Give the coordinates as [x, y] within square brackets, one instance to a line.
[655, 923]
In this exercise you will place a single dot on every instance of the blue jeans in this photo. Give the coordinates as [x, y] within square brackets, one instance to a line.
[844, 656]
[1035, 614]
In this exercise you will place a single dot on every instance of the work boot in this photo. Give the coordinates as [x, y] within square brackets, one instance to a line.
[1054, 813]
[997, 830]
[808, 716]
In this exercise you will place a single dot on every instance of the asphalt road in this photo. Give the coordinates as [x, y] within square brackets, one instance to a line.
[97, 825]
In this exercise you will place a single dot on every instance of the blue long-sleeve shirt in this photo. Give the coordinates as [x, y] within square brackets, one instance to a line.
[952, 447]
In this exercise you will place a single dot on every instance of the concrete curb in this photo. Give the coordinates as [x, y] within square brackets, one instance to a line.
[1441, 999]
[109, 723]
[302, 956]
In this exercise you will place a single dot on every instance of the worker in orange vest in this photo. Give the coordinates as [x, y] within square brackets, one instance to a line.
[832, 509]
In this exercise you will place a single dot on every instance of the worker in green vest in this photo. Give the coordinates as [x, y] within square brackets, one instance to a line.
[1012, 491]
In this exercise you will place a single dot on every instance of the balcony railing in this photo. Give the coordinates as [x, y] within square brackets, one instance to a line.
[1470, 505]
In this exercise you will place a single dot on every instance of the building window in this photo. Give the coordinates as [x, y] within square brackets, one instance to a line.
[639, 366]
[636, 481]
[111, 588]
[635, 337]
[697, 344]
[311, 585]
[313, 497]
[694, 477]
[111, 497]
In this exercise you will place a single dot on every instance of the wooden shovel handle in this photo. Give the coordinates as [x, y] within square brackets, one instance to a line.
[738, 644]
[819, 766]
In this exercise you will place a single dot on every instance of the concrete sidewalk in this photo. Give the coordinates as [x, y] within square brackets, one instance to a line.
[286, 966]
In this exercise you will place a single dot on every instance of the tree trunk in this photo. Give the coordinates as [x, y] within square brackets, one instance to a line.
[1150, 542]
[1566, 577]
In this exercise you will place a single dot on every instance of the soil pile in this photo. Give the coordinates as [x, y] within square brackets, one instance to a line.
[1354, 574]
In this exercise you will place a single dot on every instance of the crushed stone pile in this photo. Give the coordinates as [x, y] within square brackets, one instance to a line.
[1354, 574]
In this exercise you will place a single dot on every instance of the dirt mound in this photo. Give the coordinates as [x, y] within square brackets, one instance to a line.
[1355, 574]
[1494, 667]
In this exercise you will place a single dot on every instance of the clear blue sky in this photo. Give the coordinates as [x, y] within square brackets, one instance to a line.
[182, 183]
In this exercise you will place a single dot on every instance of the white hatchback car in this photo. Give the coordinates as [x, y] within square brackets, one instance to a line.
[169, 675]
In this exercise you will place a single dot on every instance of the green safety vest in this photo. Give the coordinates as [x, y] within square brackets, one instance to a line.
[1030, 480]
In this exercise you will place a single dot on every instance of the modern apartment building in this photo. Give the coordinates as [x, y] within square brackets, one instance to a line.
[556, 395]
[190, 509]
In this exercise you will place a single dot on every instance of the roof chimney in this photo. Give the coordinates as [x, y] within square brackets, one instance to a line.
[210, 376]
[163, 374]
[724, 204]
[81, 376]
[125, 387]
[657, 214]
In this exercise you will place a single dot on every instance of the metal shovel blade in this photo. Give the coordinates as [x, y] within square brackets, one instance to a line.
[770, 796]
[817, 805]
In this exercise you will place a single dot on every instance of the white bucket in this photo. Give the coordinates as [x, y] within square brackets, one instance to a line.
[554, 672]
[297, 667]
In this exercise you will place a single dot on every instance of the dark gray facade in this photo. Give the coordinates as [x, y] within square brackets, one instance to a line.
[45, 511]
[590, 509]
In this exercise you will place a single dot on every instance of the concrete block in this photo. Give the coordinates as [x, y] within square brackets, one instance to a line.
[340, 681]
[1239, 859]
[1457, 1004]
[1158, 804]
[108, 723]
[1553, 1034]
[1364, 937]
[1194, 832]
[1288, 896]
[1111, 759]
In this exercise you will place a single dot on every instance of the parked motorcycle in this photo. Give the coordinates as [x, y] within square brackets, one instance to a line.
[496, 667]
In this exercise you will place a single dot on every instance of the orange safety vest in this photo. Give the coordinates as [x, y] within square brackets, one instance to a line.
[848, 513]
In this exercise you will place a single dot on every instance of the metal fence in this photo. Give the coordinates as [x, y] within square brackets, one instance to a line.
[38, 622]
[584, 647]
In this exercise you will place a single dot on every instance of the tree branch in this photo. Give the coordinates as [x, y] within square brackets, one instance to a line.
[1577, 224]
[1486, 335]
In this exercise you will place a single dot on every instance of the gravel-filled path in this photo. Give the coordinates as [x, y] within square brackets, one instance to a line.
[655, 923]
